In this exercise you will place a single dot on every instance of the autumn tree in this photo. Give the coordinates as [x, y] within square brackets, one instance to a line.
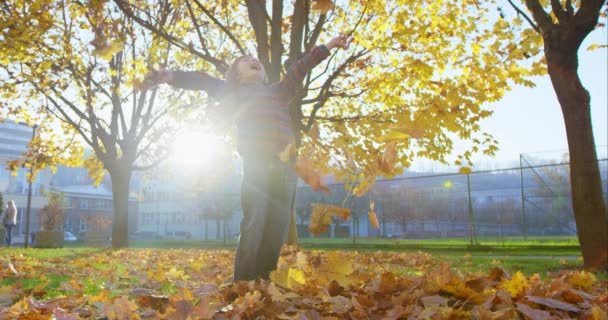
[83, 71]
[563, 26]
[416, 78]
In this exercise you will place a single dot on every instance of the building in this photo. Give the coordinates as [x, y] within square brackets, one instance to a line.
[14, 138]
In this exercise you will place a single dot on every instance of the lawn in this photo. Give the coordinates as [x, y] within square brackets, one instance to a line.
[150, 283]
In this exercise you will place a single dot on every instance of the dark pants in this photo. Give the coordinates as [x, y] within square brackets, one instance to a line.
[267, 194]
[8, 238]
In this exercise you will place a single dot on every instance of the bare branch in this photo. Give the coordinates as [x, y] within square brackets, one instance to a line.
[220, 65]
[525, 15]
[323, 97]
[221, 26]
[256, 10]
[276, 43]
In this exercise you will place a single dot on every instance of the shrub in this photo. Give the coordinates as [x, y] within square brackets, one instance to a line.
[51, 216]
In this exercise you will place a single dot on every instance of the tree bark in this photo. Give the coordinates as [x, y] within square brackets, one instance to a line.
[121, 178]
[585, 180]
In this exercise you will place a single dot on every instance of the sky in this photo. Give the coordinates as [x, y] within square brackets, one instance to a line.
[529, 120]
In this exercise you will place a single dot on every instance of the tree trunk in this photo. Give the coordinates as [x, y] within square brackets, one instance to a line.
[585, 180]
[121, 178]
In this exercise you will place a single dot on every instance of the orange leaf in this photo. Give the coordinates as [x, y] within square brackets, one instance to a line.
[323, 5]
[320, 219]
[389, 158]
[305, 170]
[372, 216]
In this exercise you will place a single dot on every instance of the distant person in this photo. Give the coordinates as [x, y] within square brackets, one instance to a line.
[264, 130]
[9, 220]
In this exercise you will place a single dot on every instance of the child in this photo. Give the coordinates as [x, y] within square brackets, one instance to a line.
[264, 130]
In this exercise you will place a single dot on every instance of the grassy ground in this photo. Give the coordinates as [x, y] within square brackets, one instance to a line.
[538, 246]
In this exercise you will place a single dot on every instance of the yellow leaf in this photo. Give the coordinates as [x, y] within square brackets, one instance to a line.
[464, 170]
[596, 46]
[320, 219]
[288, 277]
[516, 285]
[582, 279]
[287, 153]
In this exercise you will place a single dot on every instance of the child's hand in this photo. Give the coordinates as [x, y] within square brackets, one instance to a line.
[341, 41]
[154, 78]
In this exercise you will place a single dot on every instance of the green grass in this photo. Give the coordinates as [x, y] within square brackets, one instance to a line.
[48, 253]
[534, 246]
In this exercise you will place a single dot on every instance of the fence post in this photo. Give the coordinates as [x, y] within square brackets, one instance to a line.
[471, 223]
[523, 199]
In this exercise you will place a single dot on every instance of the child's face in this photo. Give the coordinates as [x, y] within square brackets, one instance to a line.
[250, 70]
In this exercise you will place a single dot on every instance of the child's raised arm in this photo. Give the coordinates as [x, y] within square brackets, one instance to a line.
[298, 70]
[189, 80]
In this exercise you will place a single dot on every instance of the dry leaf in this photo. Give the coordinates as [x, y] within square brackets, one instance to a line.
[553, 304]
[323, 5]
[372, 216]
[531, 313]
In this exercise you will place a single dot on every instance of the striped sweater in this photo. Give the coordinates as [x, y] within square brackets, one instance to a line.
[263, 120]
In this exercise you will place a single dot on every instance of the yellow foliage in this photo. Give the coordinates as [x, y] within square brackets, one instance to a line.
[516, 285]
[581, 279]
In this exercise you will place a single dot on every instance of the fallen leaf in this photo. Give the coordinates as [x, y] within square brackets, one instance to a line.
[531, 313]
[553, 304]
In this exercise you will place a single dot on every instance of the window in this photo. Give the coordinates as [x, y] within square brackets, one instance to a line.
[84, 203]
[68, 224]
[147, 219]
[83, 226]
[68, 202]
[100, 204]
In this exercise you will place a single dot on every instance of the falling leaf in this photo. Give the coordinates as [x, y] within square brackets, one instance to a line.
[389, 158]
[306, 171]
[323, 5]
[372, 216]
[288, 153]
[321, 216]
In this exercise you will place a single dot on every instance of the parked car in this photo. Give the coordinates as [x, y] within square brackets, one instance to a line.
[179, 235]
[68, 236]
[145, 235]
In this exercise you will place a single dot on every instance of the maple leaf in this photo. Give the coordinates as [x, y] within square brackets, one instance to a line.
[306, 171]
[120, 309]
[320, 219]
[389, 158]
[373, 219]
[581, 279]
[516, 285]
[323, 5]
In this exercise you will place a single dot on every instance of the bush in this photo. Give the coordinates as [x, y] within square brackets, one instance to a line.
[51, 216]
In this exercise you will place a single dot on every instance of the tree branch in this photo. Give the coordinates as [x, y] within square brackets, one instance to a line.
[323, 97]
[276, 43]
[219, 24]
[525, 15]
[256, 10]
[540, 16]
[560, 13]
[220, 65]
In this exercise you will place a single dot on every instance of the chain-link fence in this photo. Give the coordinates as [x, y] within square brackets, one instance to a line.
[532, 200]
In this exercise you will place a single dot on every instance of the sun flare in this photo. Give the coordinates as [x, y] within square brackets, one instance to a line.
[195, 149]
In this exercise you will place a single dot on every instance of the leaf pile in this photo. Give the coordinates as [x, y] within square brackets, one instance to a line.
[195, 284]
